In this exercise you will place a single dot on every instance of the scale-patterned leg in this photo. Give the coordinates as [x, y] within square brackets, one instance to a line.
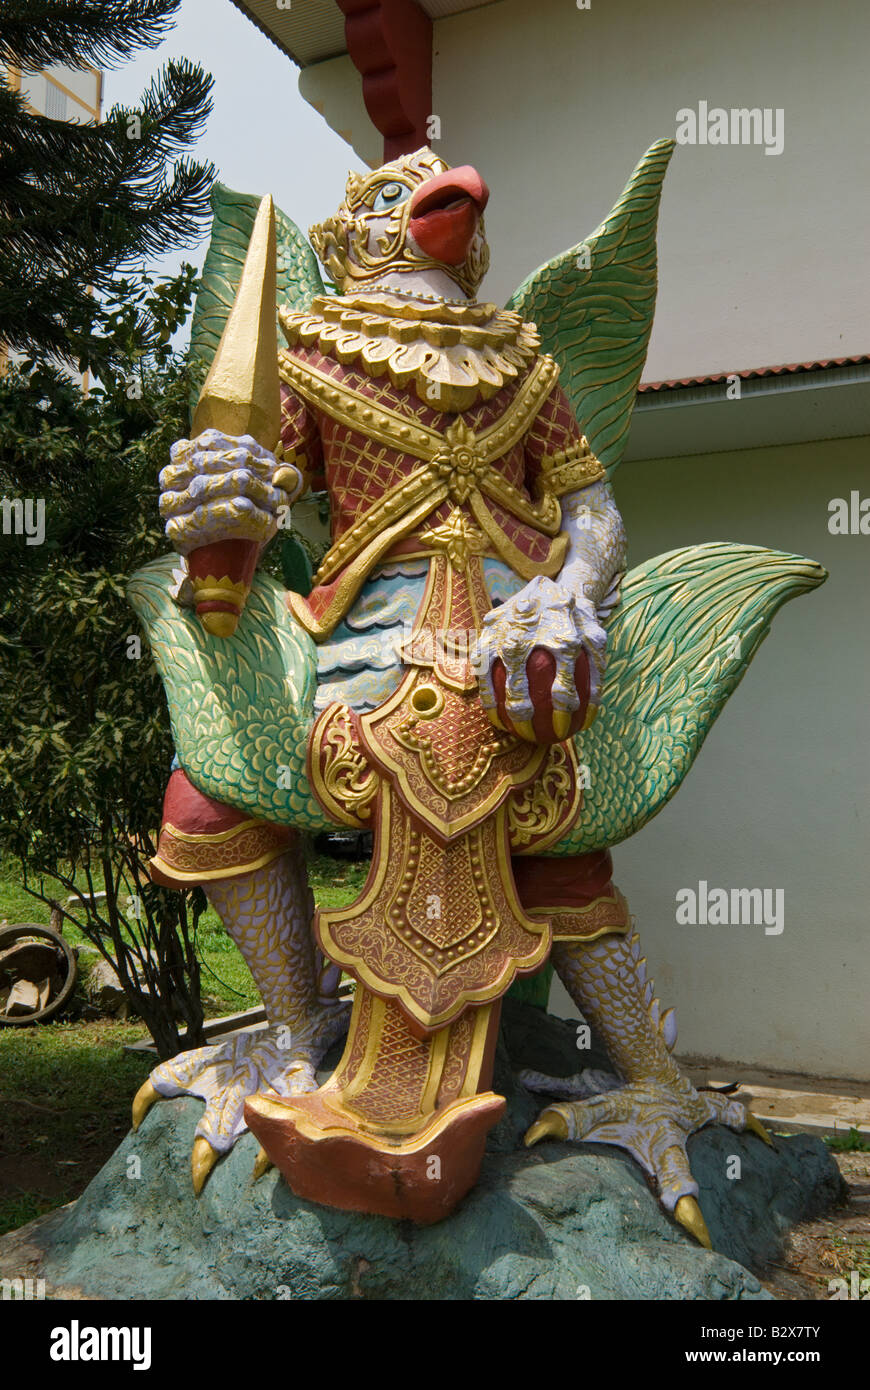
[267, 912]
[655, 1111]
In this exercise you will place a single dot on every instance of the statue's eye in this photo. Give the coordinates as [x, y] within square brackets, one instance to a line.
[390, 196]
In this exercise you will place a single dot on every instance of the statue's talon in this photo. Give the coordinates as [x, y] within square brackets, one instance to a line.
[688, 1213]
[651, 1121]
[493, 716]
[262, 1164]
[142, 1103]
[525, 729]
[202, 1159]
[754, 1125]
[562, 723]
[280, 1059]
[549, 1125]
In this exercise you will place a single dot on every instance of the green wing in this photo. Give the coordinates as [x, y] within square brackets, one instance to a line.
[240, 707]
[298, 273]
[679, 643]
[597, 321]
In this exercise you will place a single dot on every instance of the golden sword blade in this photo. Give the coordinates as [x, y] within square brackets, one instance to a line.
[241, 395]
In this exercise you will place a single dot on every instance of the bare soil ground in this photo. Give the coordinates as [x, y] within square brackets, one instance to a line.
[819, 1252]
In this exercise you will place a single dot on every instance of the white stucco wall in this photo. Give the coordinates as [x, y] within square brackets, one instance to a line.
[763, 258]
[779, 796]
[334, 89]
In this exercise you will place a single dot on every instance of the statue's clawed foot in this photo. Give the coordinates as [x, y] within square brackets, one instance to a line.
[281, 1059]
[653, 1114]
[652, 1122]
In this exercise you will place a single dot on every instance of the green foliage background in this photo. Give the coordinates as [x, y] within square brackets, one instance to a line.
[85, 743]
[83, 724]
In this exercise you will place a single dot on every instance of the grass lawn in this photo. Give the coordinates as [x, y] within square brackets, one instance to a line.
[66, 1087]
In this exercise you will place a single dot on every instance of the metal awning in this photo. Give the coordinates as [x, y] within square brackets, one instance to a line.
[792, 404]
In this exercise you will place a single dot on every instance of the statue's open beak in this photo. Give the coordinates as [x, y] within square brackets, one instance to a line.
[445, 212]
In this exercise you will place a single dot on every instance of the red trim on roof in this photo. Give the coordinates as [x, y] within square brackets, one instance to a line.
[791, 367]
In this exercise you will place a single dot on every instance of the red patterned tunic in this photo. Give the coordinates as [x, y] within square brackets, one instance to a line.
[395, 468]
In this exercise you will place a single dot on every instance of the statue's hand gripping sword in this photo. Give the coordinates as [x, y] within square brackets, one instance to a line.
[223, 490]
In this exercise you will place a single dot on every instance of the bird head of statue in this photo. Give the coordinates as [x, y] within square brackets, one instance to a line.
[412, 217]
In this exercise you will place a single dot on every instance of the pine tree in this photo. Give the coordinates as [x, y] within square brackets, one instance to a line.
[79, 203]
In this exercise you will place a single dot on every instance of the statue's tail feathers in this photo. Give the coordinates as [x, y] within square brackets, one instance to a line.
[687, 627]
[242, 707]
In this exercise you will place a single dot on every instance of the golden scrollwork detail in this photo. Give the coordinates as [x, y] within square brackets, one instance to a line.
[343, 779]
[438, 927]
[343, 403]
[537, 814]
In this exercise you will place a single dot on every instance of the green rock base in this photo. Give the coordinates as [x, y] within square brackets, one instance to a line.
[556, 1222]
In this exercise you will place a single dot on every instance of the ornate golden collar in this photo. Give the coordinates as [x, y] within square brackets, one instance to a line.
[455, 353]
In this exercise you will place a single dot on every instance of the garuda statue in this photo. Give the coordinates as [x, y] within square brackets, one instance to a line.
[473, 676]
